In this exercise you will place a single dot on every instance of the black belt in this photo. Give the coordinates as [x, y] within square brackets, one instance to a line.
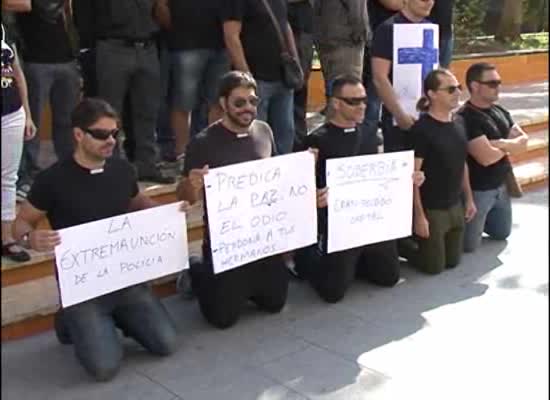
[136, 43]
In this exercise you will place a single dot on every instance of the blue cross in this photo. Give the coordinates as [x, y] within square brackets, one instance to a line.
[426, 55]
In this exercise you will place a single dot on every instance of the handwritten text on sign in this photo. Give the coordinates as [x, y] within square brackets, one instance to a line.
[370, 199]
[111, 254]
[415, 54]
[261, 208]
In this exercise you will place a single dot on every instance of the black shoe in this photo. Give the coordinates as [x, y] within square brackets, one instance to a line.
[14, 252]
[61, 331]
[156, 177]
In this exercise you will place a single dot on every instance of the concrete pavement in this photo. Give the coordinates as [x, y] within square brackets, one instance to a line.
[479, 331]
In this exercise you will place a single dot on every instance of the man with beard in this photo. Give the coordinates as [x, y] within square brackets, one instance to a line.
[88, 187]
[236, 138]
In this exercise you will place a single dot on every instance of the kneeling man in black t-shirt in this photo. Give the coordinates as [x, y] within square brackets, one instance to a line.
[236, 138]
[89, 186]
[440, 146]
[343, 136]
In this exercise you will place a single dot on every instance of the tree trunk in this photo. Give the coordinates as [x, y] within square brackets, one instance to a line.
[509, 28]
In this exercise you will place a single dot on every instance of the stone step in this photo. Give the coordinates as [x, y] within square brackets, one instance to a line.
[533, 173]
[537, 146]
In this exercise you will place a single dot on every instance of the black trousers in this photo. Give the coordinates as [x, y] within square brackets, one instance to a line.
[222, 296]
[331, 275]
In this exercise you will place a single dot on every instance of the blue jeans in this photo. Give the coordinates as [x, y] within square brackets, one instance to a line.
[494, 217]
[277, 109]
[197, 73]
[135, 310]
[446, 45]
[60, 85]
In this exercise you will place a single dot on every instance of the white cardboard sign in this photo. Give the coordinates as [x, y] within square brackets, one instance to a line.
[370, 199]
[415, 54]
[261, 208]
[103, 256]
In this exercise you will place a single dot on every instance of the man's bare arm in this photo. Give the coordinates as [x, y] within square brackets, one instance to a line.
[232, 38]
[380, 70]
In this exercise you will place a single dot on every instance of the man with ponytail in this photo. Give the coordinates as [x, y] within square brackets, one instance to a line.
[440, 147]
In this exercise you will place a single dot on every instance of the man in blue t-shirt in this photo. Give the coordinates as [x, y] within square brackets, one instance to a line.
[395, 137]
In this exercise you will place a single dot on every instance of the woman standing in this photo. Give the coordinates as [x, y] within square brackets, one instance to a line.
[17, 125]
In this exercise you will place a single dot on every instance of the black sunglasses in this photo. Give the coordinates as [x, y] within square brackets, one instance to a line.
[102, 134]
[451, 89]
[492, 84]
[241, 102]
[353, 101]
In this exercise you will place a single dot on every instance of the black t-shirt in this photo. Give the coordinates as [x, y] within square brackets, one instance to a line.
[217, 146]
[196, 25]
[495, 123]
[11, 101]
[443, 147]
[300, 16]
[442, 14]
[45, 38]
[378, 13]
[259, 38]
[71, 195]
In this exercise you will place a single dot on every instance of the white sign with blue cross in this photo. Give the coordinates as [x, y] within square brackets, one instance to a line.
[415, 54]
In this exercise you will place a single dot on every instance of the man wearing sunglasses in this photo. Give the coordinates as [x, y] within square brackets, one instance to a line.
[88, 187]
[492, 136]
[343, 136]
[236, 138]
[440, 147]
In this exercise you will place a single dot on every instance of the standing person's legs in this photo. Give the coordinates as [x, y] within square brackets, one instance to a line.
[39, 79]
[446, 45]
[270, 284]
[304, 43]
[334, 274]
[217, 66]
[276, 108]
[221, 296]
[341, 60]
[454, 240]
[141, 315]
[145, 99]
[188, 67]
[379, 263]
[165, 135]
[281, 118]
[13, 126]
[115, 64]
[484, 201]
[372, 113]
[64, 97]
[96, 343]
[498, 224]
[87, 61]
[431, 257]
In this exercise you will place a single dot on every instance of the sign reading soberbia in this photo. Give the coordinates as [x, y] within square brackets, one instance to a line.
[261, 208]
[104, 256]
[370, 199]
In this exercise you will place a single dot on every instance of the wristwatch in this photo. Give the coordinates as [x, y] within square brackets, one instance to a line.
[26, 240]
